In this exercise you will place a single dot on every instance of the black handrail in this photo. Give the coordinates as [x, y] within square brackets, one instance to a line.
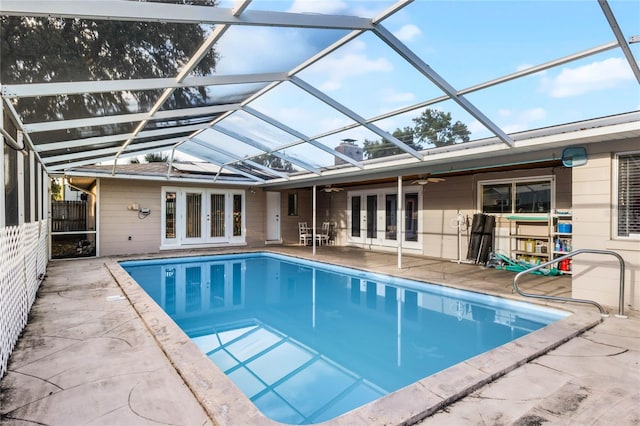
[603, 311]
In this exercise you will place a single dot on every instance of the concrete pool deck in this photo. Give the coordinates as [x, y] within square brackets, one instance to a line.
[97, 351]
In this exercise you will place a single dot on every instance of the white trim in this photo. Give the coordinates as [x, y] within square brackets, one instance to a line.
[20, 177]
[204, 240]
[614, 199]
[98, 197]
[513, 181]
[32, 187]
[164, 241]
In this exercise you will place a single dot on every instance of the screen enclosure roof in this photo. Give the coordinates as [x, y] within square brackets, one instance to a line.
[277, 93]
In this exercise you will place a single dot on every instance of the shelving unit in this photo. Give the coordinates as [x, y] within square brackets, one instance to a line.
[530, 238]
[562, 234]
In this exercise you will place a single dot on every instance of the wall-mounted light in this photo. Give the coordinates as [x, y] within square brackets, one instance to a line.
[574, 156]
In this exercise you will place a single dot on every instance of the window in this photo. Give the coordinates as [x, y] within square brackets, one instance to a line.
[217, 215]
[411, 217]
[628, 196]
[355, 216]
[391, 209]
[237, 215]
[194, 215]
[517, 195]
[292, 204]
[170, 215]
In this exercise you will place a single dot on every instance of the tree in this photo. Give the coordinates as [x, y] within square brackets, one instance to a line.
[384, 148]
[434, 127]
[36, 50]
[56, 189]
[274, 162]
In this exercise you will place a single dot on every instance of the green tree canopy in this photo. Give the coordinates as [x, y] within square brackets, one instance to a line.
[435, 127]
[432, 127]
[37, 50]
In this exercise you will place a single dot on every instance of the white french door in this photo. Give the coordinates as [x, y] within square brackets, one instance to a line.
[194, 214]
[204, 216]
[363, 218]
[372, 218]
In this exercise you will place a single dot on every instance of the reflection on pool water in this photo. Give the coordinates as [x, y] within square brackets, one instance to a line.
[307, 341]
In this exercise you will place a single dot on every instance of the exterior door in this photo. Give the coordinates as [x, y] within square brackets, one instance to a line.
[212, 216]
[194, 217]
[363, 218]
[217, 218]
[371, 218]
[273, 216]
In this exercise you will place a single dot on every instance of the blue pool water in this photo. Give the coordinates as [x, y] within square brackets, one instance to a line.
[307, 341]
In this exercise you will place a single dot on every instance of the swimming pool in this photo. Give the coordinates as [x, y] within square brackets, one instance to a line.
[308, 341]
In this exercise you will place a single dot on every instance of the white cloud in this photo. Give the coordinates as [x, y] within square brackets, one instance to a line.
[315, 6]
[408, 32]
[477, 129]
[510, 121]
[255, 49]
[588, 78]
[351, 62]
[516, 121]
[395, 97]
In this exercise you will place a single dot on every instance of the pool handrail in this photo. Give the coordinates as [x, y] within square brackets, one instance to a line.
[603, 311]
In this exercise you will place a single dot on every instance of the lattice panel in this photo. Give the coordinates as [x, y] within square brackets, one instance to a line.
[22, 251]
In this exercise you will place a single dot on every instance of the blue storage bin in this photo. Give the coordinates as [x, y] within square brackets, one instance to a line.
[564, 228]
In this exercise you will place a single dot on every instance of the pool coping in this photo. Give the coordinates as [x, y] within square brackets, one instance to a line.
[226, 404]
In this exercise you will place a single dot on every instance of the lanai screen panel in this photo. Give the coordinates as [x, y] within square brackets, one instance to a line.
[280, 84]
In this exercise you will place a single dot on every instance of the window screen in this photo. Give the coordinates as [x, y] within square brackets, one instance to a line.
[629, 195]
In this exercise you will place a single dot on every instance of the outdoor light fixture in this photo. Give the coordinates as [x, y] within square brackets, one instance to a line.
[574, 156]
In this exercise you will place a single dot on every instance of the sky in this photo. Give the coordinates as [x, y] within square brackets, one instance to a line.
[464, 42]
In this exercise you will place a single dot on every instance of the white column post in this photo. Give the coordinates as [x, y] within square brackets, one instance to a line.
[32, 187]
[20, 164]
[399, 228]
[313, 226]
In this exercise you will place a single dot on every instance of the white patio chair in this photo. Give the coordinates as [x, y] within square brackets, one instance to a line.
[304, 233]
[323, 236]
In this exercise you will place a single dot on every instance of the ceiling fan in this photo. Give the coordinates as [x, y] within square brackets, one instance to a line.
[426, 180]
[330, 188]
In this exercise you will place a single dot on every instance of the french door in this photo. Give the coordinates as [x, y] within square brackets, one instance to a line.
[203, 216]
[363, 218]
[372, 217]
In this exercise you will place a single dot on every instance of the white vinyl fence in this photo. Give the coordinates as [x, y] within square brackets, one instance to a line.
[23, 262]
